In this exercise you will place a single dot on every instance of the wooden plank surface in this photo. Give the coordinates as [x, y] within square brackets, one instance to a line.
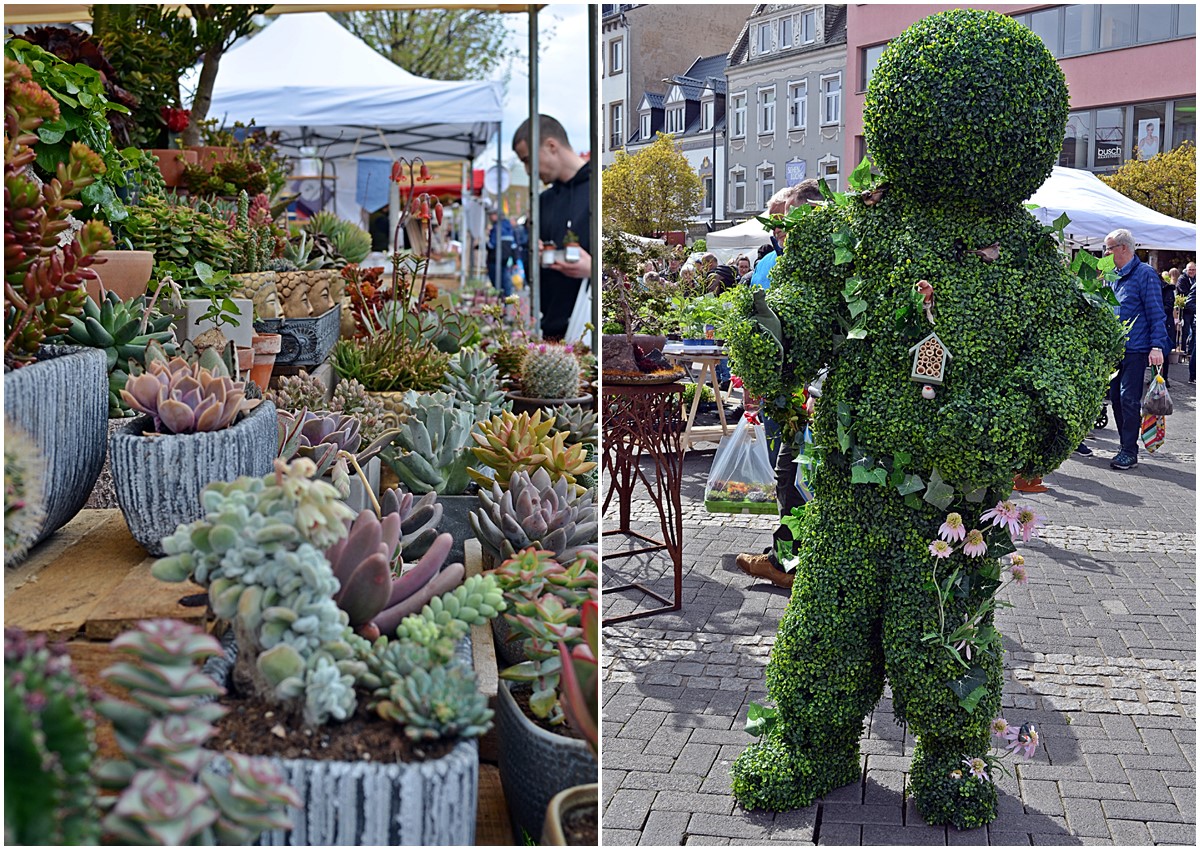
[53, 546]
[140, 596]
[59, 597]
[483, 648]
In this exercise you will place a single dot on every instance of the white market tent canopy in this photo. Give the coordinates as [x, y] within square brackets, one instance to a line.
[744, 238]
[1096, 209]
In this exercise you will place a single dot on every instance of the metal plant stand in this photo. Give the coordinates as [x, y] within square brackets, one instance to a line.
[645, 420]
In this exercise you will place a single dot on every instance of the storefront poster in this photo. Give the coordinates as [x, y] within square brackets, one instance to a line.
[1149, 135]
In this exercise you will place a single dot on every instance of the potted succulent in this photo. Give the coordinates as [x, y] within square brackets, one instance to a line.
[189, 436]
[334, 442]
[296, 659]
[536, 761]
[509, 443]
[572, 817]
[55, 394]
[388, 364]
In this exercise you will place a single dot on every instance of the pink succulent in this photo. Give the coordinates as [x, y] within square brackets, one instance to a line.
[1005, 515]
[953, 529]
[974, 546]
[940, 549]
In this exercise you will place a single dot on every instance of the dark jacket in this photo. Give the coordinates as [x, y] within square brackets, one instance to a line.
[1139, 292]
[565, 205]
[1187, 286]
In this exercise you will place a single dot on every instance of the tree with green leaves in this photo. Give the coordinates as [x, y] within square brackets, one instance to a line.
[1166, 182]
[441, 44]
[652, 191]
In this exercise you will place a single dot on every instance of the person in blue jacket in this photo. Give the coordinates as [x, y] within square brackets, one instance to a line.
[1139, 291]
[501, 238]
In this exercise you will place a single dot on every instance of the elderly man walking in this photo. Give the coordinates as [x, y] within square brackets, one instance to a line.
[1139, 292]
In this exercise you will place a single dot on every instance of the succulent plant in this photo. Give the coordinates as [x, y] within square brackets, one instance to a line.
[155, 224]
[375, 591]
[280, 264]
[260, 552]
[43, 279]
[123, 329]
[350, 241]
[298, 392]
[578, 423]
[432, 451]
[534, 511]
[508, 357]
[508, 443]
[297, 251]
[351, 398]
[186, 399]
[254, 240]
[440, 703]
[323, 438]
[532, 573]
[579, 686]
[473, 379]
[419, 519]
[24, 491]
[386, 362]
[49, 744]
[167, 793]
[550, 371]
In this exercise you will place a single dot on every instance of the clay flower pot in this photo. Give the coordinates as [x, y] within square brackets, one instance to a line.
[123, 272]
[171, 163]
[561, 805]
[265, 346]
[245, 359]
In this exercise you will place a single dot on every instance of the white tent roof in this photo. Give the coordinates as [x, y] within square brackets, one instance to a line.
[1096, 209]
[742, 238]
[310, 78]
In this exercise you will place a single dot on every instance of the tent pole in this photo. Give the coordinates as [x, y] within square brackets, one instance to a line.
[535, 142]
[499, 211]
[594, 165]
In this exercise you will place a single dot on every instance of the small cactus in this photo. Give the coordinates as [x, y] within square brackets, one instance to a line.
[49, 744]
[550, 371]
[24, 491]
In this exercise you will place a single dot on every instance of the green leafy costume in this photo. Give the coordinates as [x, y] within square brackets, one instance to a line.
[964, 116]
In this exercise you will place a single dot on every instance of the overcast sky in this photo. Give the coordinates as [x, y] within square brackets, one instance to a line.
[563, 79]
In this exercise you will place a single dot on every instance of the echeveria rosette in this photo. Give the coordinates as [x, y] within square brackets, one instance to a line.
[184, 398]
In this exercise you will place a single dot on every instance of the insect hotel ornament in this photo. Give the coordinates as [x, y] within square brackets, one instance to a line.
[929, 363]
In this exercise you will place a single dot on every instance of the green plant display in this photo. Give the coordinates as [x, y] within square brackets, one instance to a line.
[940, 236]
[180, 237]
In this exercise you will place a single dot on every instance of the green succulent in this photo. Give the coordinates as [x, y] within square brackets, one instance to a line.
[350, 241]
[432, 451]
[440, 703]
[179, 235]
[474, 379]
[534, 511]
[578, 423]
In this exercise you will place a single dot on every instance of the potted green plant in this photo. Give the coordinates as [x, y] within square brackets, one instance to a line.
[409, 696]
[190, 435]
[56, 394]
[550, 376]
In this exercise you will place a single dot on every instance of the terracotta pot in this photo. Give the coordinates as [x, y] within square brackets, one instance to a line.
[171, 163]
[265, 347]
[578, 797]
[123, 272]
[210, 155]
[245, 358]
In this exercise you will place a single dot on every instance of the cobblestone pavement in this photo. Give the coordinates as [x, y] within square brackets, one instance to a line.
[1100, 654]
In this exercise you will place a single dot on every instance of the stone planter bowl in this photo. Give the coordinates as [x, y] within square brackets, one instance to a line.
[579, 797]
[159, 479]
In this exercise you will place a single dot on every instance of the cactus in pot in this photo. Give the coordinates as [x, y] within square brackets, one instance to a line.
[432, 451]
[49, 744]
[550, 371]
[534, 511]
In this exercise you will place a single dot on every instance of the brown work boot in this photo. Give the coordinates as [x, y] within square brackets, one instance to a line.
[761, 566]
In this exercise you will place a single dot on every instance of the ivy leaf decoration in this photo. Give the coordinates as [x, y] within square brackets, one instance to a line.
[970, 688]
[857, 333]
[860, 177]
[844, 439]
[759, 719]
[976, 495]
[910, 484]
[843, 247]
[938, 493]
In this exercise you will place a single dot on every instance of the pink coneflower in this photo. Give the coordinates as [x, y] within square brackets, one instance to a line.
[1020, 574]
[953, 529]
[999, 727]
[1029, 522]
[940, 549]
[978, 768]
[1004, 515]
[974, 547]
[1024, 740]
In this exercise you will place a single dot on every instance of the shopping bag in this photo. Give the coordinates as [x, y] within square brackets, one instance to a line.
[804, 471]
[1157, 401]
[742, 480]
[1154, 432]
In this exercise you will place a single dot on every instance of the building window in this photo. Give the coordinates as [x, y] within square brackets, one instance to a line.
[766, 111]
[870, 59]
[617, 57]
[675, 119]
[1154, 22]
[766, 184]
[1078, 140]
[764, 38]
[617, 126]
[1079, 30]
[831, 100]
[1183, 122]
[708, 194]
[645, 134]
[1093, 27]
[828, 169]
[706, 114]
[1110, 138]
[808, 26]
[1116, 25]
[1149, 129]
[739, 189]
[1187, 20]
[738, 112]
[785, 32]
[797, 105]
[1046, 24]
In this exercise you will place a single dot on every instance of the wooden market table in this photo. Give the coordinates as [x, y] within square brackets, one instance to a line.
[643, 421]
[708, 356]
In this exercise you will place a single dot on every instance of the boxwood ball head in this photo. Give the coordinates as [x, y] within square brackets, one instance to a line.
[966, 106]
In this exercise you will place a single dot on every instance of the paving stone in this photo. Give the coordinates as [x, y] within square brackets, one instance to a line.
[840, 834]
[707, 841]
[1129, 832]
[1085, 817]
[1173, 833]
[1132, 810]
[685, 801]
[1041, 795]
[628, 809]
[640, 780]
[665, 828]
[838, 812]
[621, 837]
[1008, 839]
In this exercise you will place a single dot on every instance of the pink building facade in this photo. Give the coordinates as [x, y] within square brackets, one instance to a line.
[1131, 70]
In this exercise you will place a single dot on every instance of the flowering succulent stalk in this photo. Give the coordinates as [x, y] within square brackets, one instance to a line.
[186, 399]
[49, 744]
[167, 793]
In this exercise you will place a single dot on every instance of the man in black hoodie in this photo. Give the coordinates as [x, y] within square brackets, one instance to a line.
[565, 206]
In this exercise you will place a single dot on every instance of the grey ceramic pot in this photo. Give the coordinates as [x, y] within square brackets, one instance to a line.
[535, 765]
[349, 804]
[159, 479]
[62, 402]
[455, 510]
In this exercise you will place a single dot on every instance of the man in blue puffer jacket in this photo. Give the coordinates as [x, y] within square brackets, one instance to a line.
[1139, 291]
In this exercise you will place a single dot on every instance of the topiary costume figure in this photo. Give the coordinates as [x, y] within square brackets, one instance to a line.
[965, 117]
